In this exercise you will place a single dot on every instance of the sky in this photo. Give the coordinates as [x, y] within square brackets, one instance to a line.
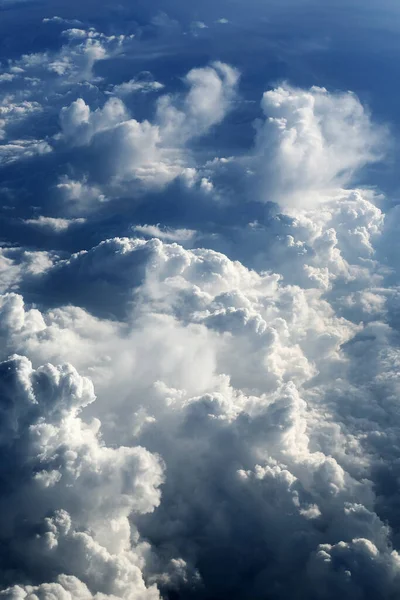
[199, 300]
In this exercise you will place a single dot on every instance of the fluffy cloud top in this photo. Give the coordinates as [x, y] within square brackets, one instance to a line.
[152, 153]
[64, 466]
[313, 142]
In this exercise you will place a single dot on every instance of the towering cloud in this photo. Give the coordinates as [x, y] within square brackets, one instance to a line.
[311, 143]
[66, 497]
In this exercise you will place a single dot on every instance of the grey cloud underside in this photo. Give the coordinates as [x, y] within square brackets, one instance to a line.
[200, 351]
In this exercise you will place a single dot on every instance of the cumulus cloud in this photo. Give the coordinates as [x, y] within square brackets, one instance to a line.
[286, 453]
[282, 456]
[295, 475]
[75, 60]
[198, 393]
[79, 124]
[68, 472]
[312, 142]
[79, 196]
[17, 263]
[145, 153]
[37, 81]
[211, 93]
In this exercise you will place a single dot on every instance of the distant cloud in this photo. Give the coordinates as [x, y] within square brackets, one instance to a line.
[54, 224]
[166, 233]
[134, 86]
[199, 25]
[16, 150]
[61, 21]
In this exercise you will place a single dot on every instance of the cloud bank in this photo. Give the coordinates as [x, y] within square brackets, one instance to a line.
[199, 343]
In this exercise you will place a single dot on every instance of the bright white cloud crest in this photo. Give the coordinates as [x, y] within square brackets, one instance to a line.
[183, 415]
[312, 142]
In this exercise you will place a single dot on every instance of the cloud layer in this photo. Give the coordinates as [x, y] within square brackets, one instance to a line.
[199, 343]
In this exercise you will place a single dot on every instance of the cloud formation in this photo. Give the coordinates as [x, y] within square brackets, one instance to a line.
[199, 342]
[67, 473]
[151, 154]
[318, 141]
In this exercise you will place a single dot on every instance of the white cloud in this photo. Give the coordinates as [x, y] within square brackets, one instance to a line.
[230, 376]
[61, 21]
[73, 476]
[196, 27]
[13, 114]
[311, 143]
[134, 86]
[20, 149]
[166, 233]
[199, 25]
[243, 440]
[54, 224]
[18, 262]
[75, 60]
[211, 93]
[79, 124]
[6, 77]
[79, 196]
[151, 154]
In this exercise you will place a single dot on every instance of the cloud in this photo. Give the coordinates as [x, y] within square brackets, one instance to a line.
[196, 27]
[75, 60]
[137, 86]
[292, 465]
[61, 21]
[16, 150]
[62, 472]
[16, 263]
[13, 115]
[293, 479]
[79, 196]
[211, 93]
[198, 324]
[79, 124]
[312, 142]
[53, 224]
[14, 112]
[36, 84]
[145, 153]
[168, 234]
